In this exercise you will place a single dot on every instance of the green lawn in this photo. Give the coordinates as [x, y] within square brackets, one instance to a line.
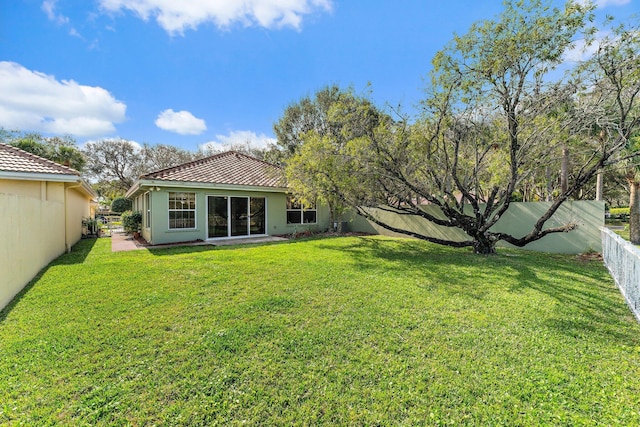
[340, 331]
[624, 233]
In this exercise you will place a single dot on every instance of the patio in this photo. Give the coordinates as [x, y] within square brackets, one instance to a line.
[122, 242]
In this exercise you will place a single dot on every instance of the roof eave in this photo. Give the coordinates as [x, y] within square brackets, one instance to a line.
[146, 184]
[133, 190]
[32, 176]
[88, 190]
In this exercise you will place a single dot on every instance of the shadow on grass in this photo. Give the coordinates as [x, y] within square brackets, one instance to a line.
[588, 303]
[78, 254]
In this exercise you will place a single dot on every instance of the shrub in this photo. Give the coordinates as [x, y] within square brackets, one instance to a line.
[131, 221]
[619, 211]
[120, 205]
[91, 225]
[617, 216]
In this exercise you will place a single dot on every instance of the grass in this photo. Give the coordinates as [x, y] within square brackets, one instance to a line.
[624, 233]
[342, 331]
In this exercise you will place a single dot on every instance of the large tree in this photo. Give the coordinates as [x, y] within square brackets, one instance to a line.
[311, 133]
[309, 114]
[115, 164]
[117, 161]
[612, 84]
[270, 153]
[60, 149]
[494, 118]
[162, 156]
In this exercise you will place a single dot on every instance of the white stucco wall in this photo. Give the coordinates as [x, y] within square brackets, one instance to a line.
[33, 235]
[78, 206]
[35, 229]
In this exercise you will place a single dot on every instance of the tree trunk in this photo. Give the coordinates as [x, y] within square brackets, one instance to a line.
[484, 245]
[634, 212]
[599, 185]
[564, 170]
[332, 217]
[549, 195]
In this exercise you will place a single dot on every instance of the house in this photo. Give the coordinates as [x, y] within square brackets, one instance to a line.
[227, 195]
[42, 205]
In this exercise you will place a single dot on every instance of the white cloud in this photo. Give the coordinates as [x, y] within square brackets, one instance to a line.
[176, 16]
[49, 7]
[605, 3]
[242, 138]
[182, 122]
[582, 52]
[600, 4]
[34, 101]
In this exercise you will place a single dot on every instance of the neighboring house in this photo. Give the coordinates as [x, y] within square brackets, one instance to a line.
[228, 195]
[42, 205]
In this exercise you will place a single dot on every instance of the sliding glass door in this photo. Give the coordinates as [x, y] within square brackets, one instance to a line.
[239, 216]
[257, 218]
[218, 218]
[236, 216]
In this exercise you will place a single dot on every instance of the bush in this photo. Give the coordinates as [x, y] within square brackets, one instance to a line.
[617, 216]
[619, 211]
[131, 221]
[120, 205]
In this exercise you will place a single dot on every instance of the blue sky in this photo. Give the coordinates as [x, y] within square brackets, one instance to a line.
[194, 72]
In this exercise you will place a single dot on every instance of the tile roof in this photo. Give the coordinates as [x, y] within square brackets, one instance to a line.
[13, 159]
[230, 168]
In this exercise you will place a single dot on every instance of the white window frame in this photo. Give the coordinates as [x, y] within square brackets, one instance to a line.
[299, 207]
[194, 209]
[228, 199]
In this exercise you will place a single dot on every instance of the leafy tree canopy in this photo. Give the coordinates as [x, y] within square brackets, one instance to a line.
[312, 133]
[62, 150]
[120, 205]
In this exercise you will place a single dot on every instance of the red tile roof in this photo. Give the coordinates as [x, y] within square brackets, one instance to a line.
[230, 168]
[13, 159]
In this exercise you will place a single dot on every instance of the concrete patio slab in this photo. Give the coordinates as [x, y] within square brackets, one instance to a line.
[248, 240]
[123, 242]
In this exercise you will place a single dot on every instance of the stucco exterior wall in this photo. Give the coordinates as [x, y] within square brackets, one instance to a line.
[78, 206]
[22, 188]
[276, 217]
[518, 221]
[40, 221]
[33, 234]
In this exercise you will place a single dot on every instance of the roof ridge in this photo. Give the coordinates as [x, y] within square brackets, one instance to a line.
[39, 159]
[178, 167]
[228, 168]
[253, 158]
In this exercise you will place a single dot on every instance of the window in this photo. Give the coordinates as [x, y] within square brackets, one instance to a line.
[299, 214]
[182, 210]
[147, 206]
